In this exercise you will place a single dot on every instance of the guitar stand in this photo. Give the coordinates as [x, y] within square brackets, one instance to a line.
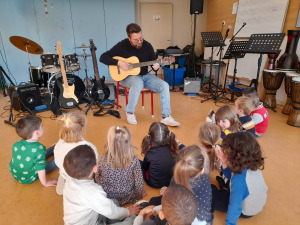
[263, 44]
[234, 51]
[212, 39]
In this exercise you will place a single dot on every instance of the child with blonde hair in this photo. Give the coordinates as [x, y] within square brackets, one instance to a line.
[71, 134]
[259, 115]
[227, 120]
[85, 202]
[119, 171]
[189, 172]
[209, 135]
[160, 148]
[243, 107]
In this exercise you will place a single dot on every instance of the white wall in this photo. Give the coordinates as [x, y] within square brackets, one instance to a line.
[183, 23]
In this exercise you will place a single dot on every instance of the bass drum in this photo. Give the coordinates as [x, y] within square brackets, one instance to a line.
[72, 79]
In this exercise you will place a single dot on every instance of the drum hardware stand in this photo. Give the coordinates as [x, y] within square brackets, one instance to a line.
[234, 51]
[263, 44]
[212, 39]
[11, 119]
[3, 82]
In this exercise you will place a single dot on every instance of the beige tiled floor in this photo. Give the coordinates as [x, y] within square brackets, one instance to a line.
[34, 204]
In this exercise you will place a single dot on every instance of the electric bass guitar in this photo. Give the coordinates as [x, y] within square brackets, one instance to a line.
[67, 98]
[100, 92]
[134, 68]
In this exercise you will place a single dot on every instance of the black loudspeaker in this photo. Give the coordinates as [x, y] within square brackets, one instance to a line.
[192, 86]
[113, 92]
[27, 95]
[196, 7]
[14, 98]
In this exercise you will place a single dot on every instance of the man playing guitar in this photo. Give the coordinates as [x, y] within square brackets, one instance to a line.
[135, 45]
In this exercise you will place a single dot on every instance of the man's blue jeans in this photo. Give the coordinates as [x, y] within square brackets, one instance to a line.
[149, 81]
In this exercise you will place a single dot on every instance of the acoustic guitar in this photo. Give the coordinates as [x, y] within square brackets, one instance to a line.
[100, 92]
[67, 98]
[135, 66]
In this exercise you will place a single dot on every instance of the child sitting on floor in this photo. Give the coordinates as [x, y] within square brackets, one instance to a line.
[189, 171]
[178, 207]
[209, 135]
[243, 107]
[242, 162]
[259, 115]
[227, 120]
[160, 148]
[71, 134]
[85, 202]
[119, 170]
[28, 161]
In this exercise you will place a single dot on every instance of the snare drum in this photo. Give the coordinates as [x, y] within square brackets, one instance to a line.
[289, 75]
[294, 117]
[36, 75]
[50, 63]
[272, 80]
[71, 62]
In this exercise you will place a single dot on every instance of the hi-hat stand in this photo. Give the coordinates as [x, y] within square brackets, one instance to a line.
[212, 39]
[234, 51]
[263, 44]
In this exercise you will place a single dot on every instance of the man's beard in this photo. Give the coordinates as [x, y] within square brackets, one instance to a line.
[139, 47]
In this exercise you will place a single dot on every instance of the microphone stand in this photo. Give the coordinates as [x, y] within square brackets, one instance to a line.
[233, 37]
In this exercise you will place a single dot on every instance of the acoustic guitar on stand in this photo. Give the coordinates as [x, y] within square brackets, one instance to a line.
[135, 66]
[67, 98]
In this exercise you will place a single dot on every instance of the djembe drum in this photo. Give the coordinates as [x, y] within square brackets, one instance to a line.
[289, 75]
[294, 117]
[272, 80]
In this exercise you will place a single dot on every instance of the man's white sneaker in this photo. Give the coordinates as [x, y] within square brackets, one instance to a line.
[131, 119]
[169, 121]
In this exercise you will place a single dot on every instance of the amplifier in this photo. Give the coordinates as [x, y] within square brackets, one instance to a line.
[192, 85]
[28, 94]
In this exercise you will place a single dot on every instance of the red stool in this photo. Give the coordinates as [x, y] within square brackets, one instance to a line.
[126, 95]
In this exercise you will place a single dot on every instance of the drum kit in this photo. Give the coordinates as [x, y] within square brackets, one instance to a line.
[289, 70]
[50, 70]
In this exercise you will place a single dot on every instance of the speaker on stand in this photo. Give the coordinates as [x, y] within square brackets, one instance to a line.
[196, 7]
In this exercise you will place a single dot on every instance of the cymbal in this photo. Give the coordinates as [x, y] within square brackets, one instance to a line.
[84, 55]
[83, 46]
[21, 43]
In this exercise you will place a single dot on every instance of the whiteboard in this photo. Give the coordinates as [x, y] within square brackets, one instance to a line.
[260, 16]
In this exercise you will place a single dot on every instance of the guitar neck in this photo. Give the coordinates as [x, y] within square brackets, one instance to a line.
[141, 64]
[95, 64]
[62, 68]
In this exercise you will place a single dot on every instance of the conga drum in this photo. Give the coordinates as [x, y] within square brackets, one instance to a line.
[289, 75]
[294, 117]
[272, 80]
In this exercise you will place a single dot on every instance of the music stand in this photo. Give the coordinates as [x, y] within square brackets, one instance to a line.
[263, 44]
[235, 51]
[212, 39]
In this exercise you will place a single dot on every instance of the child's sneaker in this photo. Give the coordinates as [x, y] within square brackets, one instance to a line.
[142, 203]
